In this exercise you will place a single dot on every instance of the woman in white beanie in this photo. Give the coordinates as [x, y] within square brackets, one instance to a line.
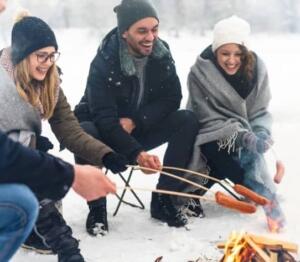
[229, 93]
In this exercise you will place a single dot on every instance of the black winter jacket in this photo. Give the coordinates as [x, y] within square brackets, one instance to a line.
[112, 93]
[45, 175]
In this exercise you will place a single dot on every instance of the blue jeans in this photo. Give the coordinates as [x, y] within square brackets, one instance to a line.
[18, 213]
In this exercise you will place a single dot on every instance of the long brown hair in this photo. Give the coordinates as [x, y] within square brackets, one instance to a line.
[248, 62]
[37, 92]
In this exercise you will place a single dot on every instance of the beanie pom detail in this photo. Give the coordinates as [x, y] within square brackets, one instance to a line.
[20, 15]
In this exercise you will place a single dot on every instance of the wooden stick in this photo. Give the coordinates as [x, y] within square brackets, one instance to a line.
[254, 245]
[170, 175]
[192, 172]
[230, 203]
[260, 240]
[242, 190]
[168, 192]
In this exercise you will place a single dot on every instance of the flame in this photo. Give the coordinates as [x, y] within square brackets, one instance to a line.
[237, 249]
[274, 225]
[275, 218]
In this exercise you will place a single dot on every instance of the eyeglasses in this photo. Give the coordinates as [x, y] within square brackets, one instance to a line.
[42, 57]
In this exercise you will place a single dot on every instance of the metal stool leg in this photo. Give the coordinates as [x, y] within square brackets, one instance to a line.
[121, 198]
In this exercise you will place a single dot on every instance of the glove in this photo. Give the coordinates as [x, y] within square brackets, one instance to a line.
[265, 136]
[43, 144]
[253, 142]
[115, 162]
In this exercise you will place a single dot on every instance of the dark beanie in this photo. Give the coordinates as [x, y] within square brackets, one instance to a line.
[131, 11]
[28, 35]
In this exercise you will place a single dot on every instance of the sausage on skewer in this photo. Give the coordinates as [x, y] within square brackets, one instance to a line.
[227, 201]
[244, 191]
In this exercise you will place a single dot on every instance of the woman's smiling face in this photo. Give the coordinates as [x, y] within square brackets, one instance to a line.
[39, 67]
[229, 58]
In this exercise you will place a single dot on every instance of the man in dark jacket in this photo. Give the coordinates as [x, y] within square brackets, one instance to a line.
[23, 171]
[131, 102]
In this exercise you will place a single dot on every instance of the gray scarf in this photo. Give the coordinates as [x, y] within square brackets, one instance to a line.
[222, 113]
[17, 117]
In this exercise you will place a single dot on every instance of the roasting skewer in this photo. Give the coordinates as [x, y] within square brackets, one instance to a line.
[242, 190]
[221, 199]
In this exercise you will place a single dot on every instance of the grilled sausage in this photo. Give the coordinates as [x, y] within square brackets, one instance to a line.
[251, 195]
[227, 201]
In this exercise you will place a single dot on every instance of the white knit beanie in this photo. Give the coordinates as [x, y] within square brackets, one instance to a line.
[231, 30]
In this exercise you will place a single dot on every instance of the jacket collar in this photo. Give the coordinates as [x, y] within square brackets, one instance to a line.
[160, 50]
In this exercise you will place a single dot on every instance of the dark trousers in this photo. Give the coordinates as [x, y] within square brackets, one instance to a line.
[179, 130]
[222, 164]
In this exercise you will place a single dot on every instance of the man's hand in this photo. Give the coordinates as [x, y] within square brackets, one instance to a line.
[127, 124]
[91, 183]
[150, 161]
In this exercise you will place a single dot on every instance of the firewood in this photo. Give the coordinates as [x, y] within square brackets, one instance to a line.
[266, 242]
[273, 256]
[269, 243]
[257, 249]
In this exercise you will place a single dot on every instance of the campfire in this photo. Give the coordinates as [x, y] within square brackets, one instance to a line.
[246, 247]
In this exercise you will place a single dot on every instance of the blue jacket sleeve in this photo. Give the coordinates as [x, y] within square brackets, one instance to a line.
[47, 176]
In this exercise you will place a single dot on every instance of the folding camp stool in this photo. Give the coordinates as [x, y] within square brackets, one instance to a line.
[121, 198]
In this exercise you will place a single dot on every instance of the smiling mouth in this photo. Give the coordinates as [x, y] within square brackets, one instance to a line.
[147, 45]
[42, 70]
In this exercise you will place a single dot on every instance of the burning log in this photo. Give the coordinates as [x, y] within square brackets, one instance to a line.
[247, 247]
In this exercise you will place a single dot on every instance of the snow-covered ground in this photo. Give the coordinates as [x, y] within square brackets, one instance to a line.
[133, 235]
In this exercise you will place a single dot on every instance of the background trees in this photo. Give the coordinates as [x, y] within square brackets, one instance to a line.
[176, 16]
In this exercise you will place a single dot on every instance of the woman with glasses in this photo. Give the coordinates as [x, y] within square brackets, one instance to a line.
[35, 95]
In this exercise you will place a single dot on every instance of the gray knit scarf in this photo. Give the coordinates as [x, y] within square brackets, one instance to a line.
[222, 113]
[18, 118]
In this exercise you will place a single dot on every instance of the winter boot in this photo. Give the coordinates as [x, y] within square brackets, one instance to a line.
[57, 234]
[37, 243]
[96, 223]
[163, 209]
[193, 208]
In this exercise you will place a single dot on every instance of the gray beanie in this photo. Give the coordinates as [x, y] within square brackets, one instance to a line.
[131, 11]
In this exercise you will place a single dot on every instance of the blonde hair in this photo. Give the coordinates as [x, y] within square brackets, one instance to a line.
[37, 92]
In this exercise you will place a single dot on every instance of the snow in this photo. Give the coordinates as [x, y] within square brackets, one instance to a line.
[133, 235]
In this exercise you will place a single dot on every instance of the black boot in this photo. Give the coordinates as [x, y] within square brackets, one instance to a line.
[193, 207]
[163, 209]
[57, 234]
[96, 223]
[37, 243]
